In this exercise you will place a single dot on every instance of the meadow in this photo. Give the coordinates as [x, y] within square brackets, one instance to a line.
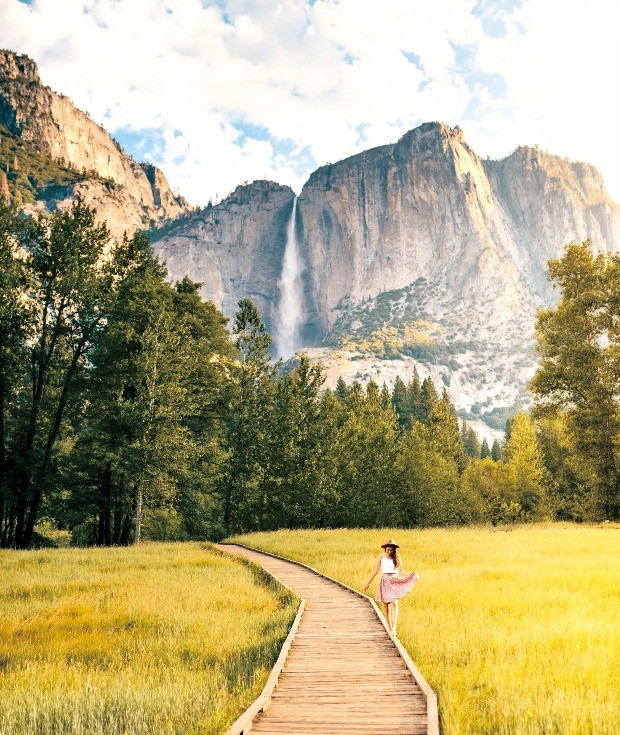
[517, 629]
[130, 641]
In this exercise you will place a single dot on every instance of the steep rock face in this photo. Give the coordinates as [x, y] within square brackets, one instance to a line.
[234, 248]
[545, 202]
[422, 254]
[420, 208]
[54, 127]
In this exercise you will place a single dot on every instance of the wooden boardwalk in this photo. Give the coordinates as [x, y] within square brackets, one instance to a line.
[344, 674]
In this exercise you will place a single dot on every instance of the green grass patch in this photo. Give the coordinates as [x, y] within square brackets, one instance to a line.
[517, 630]
[166, 638]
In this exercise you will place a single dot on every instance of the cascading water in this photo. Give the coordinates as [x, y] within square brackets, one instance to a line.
[289, 317]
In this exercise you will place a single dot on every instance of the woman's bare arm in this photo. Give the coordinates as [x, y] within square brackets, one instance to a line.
[374, 574]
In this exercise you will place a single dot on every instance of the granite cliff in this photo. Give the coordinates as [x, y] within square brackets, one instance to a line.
[234, 249]
[129, 195]
[417, 253]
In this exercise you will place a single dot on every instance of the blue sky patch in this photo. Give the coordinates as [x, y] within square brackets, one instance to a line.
[489, 13]
[413, 59]
[144, 144]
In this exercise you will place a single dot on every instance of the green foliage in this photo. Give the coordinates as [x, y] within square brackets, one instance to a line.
[484, 449]
[128, 410]
[523, 461]
[31, 175]
[579, 372]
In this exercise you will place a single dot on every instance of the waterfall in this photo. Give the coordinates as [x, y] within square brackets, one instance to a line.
[289, 316]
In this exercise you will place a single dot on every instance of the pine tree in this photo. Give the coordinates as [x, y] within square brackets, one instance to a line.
[295, 494]
[496, 451]
[444, 434]
[252, 394]
[341, 390]
[428, 399]
[484, 449]
[401, 402]
[472, 444]
[414, 395]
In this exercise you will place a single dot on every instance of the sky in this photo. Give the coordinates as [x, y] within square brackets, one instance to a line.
[219, 92]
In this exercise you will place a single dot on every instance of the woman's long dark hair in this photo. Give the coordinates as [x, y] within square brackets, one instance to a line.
[393, 555]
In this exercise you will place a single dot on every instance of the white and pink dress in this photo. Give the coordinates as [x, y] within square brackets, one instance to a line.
[391, 587]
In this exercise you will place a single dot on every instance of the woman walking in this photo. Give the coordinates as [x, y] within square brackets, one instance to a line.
[391, 586]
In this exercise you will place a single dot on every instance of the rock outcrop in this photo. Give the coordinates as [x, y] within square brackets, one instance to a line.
[428, 207]
[234, 248]
[129, 195]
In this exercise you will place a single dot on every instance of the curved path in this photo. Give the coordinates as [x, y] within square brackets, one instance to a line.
[344, 674]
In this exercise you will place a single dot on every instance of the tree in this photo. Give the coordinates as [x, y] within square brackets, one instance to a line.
[427, 483]
[251, 395]
[484, 449]
[428, 398]
[471, 442]
[414, 394]
[488, 490]
[341, 389]
[14, 330]
[496, 451]
[401, 402]
[568, 477]
[579, 370]
[444, 434]
[295, 494]
[523, 460]
[71, 280]
[366, 445]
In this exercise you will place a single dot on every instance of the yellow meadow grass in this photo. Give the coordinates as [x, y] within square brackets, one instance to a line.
[173, 639]
[517, 629]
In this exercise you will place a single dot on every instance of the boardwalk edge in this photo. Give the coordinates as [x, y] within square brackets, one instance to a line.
[243, 724]
[432, 711]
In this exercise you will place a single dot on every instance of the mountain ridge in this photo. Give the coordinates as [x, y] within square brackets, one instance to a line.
[127, 194]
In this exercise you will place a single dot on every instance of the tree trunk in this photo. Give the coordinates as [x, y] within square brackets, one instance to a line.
[125, 530]
[33, 506]
[104, 537]
[2, 461]
[118, 527]
[138, 529]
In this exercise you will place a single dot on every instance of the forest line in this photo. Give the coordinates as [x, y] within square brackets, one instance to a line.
[129, 409]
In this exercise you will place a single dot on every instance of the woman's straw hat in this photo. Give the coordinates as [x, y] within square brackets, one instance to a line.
[390, 542]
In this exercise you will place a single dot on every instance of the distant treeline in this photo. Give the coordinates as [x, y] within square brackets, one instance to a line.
[129, 410]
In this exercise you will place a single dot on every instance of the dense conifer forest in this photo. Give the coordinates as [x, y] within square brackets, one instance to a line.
[131, 409]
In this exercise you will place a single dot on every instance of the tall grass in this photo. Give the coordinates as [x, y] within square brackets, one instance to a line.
[517, 630]
[173, 639]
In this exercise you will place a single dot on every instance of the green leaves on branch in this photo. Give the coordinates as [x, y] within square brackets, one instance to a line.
[579, 378]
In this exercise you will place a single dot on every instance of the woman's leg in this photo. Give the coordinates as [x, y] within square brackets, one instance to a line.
[394, 616]
[386, 612]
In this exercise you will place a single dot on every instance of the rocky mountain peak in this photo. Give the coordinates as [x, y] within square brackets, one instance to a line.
[125, 193]
[13, 65]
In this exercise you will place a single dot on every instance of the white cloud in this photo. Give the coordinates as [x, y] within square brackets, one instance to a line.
[314, 75]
